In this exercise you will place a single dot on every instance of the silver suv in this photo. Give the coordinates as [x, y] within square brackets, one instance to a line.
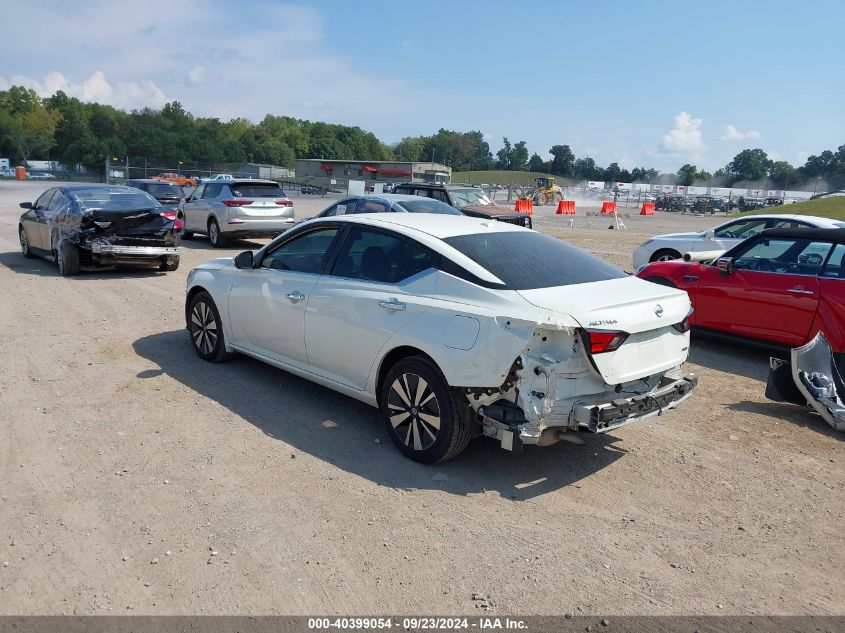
[235, 209]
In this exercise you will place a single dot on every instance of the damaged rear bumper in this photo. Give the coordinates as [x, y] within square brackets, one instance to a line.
[140, 251]
[600, 418]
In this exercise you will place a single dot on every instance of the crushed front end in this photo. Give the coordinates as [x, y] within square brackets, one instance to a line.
[109, 238]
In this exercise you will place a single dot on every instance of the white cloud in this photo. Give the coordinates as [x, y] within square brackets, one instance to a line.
[195, 76]
[96, 88]
[733, 134]
[685, 137]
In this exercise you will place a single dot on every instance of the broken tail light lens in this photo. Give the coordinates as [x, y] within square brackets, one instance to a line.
[684, 326]
[237, 203]
[602, 341]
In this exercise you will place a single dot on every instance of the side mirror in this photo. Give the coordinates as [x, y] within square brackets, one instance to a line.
[26, 205]
[725, 264]
[244, 260]
[709, 234]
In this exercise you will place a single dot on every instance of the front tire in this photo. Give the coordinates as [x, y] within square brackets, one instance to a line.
[214, 236]
[25, 250]
[423, 415]
[206, 329]
[67, 258]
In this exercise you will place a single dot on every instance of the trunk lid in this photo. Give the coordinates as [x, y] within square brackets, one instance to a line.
[128, 226]
[644, 310]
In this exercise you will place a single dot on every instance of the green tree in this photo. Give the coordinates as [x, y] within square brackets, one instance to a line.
[535, 163]
[781, 173]
[33, 131]
[562, 160]
[749, 165]
[687, 174]
[275, 153]
[504, 155]
[520, 156]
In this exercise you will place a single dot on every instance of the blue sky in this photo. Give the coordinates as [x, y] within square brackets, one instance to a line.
[658, 84]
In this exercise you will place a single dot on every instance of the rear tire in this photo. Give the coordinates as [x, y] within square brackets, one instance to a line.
[25, 250]
[214, 236]
[67, 258]
[664, 255]
[426, 419]
[206, 329]
[169, 263]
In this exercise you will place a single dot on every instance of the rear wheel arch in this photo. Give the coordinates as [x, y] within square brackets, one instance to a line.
[661, 254]
[393, 357]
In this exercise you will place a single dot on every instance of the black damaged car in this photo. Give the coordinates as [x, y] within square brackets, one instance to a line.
[85, 227]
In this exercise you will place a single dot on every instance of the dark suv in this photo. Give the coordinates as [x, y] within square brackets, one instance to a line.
[169, 194]
[469, 200]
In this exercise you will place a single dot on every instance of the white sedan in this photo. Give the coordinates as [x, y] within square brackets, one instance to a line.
[454, 327]
[723, 237]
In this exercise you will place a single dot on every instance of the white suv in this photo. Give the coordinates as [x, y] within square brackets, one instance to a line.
[236, 209]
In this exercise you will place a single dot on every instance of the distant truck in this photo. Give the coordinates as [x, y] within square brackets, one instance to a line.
[182, 181]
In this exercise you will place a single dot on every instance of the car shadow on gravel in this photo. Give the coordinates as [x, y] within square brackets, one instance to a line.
[351, 435]
[749, 362]
[39, 267]
[201, 243]
[799, 416]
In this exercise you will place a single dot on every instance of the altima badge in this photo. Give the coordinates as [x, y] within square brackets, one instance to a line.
[658, 310]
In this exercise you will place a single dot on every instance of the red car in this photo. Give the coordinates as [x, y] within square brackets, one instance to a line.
[780, 286]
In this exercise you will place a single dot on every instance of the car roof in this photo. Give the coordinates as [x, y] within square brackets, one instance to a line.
[436, 225]
[153, 181]
[835, 235]
[94, 185]
[392, 197]
[819, 221]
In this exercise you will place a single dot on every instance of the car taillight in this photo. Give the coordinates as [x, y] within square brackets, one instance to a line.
[237, 203]
[284, 203]
[168, 215]
[178, 224]
[602, 341]
[683, 326]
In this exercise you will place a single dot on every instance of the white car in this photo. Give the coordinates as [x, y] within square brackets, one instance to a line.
[722, 237]
[454, 327]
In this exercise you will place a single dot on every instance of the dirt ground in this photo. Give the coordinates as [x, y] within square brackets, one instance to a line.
[135, 478]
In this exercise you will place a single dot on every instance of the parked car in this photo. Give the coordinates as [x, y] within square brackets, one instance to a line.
[720, 238]
[388, 202]
[469, 200]
[427, 317]
[182, 181]
[90, 226]
[236, 209]
[169, 194]
[779, 286]
[216, 177]
[41, 175]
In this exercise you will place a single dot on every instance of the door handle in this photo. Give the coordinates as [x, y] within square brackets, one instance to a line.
[392, 304]
[800, 291]
[690, 278]
[295, 296]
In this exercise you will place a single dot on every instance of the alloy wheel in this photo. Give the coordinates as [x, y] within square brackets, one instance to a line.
[24, 242]
[414, 411]
[203, 328]
[213, 233]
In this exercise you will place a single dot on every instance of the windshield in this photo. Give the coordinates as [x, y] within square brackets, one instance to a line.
[427, 205]
[257, 190]
[466, 197]
[163, 190]
[116, 199]
[526, 260]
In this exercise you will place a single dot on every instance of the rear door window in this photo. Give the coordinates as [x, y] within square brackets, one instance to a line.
[212, 190]
[835, 266]
[382, 257]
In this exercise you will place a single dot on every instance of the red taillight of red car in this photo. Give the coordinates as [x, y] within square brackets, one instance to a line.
[237, 203]
[284, 203]
[602, 341]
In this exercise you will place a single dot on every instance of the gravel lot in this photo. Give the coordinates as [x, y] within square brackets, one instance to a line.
[138, 479]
